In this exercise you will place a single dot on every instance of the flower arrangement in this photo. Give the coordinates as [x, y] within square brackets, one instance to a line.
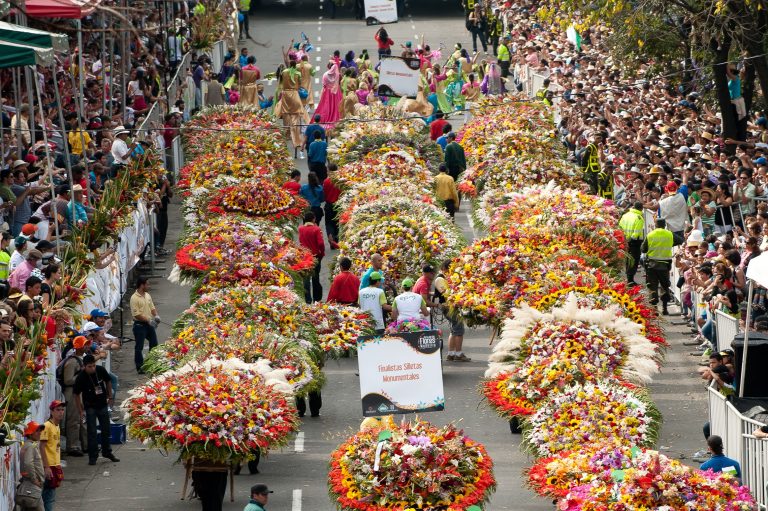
[219, 411]
[392, 206]
[338, 326]
[408, 325]
[654, 481]
[406, 241]
[420, 466]
[362, 195]
[260, 199]
[592, 412]
[248, 123]
[225, 340]
[510, 114]
[391, 167]
[207, 167]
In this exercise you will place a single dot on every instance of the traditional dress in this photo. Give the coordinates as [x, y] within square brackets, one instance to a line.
[289, 107]
[328, 108]
[307, 78]
[350, 99]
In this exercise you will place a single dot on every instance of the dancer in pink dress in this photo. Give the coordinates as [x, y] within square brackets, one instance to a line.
[329, 107]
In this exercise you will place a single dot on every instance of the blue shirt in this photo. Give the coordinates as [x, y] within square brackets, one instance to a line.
[314, 197]
[79, 213]
[442, 141]
[318, 151]
[734, 88]
[718, 462]
[243, 60]
[254, 506]
[366, 280]
[310, 132]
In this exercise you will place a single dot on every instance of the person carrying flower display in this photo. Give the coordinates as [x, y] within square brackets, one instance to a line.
[345, 285]
[445, 189]
[455, 160]
[373, 299]
[311, 237]
[456, 337]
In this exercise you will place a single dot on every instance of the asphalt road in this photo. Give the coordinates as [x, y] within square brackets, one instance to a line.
[149, 480]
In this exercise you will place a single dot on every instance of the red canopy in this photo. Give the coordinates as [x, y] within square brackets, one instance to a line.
[74, 9]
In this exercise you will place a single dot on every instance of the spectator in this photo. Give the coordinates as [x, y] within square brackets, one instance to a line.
[29, 493]
[50, 452]
[719, 462]
[93, 394]
[145, 319]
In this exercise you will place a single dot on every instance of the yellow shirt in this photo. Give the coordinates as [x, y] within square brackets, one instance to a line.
[446, 188]
[142, 305]
[76, 141]
[51, 435]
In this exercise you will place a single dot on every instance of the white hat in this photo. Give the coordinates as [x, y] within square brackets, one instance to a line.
[683, 150]
[120, 130]
[19, 163]
[77, 188]
[90, 326]
[695, 238]
[696, 148]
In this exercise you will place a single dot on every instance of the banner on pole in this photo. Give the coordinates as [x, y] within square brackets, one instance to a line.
[380, 11]
[401, 373]
[399, 77]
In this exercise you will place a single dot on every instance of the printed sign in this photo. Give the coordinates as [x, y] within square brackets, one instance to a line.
[380, 11]
[399, 77]
[401, 373]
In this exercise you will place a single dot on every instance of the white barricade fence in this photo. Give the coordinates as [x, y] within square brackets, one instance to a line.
[739, 443]
[177, 157]
[649, 217]
[727, 328]
[218, 52]
[676, 291]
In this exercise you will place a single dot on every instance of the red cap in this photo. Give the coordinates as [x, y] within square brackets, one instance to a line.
[30, 158]
[56, 404]
[671, 187]
[28, 229]
[33, 427]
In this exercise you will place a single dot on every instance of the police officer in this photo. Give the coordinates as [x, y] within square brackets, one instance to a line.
[542, 93]
[633, 224]
[658, 248]
[495, 29]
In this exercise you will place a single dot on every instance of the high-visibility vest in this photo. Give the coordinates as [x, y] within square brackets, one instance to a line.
[660, 243]
[632, 224]
[541, 95]
[593, 160]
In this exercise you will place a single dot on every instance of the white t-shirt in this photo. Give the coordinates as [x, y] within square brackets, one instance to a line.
[408, 305]
[16, 259]
[674, 210]
[371, 299]
[119, 148]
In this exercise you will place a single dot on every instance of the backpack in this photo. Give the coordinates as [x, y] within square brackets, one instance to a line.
[60, 370]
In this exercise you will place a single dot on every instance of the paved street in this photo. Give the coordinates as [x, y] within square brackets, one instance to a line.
[150, 480]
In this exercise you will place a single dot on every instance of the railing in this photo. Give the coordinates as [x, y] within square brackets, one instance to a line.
[727, 328]
[737, 432]
[177, 157]
[218, 51]
[677, 293]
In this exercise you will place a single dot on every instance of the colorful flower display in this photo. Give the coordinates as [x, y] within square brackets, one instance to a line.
[420, 466]
[392, 166]
[216, 410]
[363, 195]
[227, 128]
[338, 326]
[592, 412]
[408, 325]
[260, 199]
[407, 242]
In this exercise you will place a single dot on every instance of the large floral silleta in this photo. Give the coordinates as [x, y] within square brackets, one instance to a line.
[218, 411]
[419, 466]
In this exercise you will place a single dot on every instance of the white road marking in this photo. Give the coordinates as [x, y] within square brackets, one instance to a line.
[317, 59]
[296, 504]
[299, 445]
[317, 80]
[319, 39]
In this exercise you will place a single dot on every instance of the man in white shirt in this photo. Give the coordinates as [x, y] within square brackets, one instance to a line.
[409, 305]
[674, 209]
[372, 299]
[121, 151]
[744, 192]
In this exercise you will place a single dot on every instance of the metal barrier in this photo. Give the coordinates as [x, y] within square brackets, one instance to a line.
[727, 327]
[737, 432]
[177, 158]
[218, 51]
[649, 219]
[677, 293]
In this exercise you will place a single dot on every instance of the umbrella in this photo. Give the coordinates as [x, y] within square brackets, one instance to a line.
[14, 55]
[29, 36]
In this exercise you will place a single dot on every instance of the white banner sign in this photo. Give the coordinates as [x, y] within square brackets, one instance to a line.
[401, 374]
[399, 77]
[380, 11]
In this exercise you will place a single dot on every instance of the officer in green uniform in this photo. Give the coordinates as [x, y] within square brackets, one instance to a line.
[469, 6]
[633, 225]
[505, 58]
[244, 8]
[590, 165]
[495, 29]
[658, 249]
[542, 93]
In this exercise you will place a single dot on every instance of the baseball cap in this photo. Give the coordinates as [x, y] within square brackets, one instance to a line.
[90, 326]
[375, 276]
[260, 489]
[79, 342]
[28, 229]
[33, 427]
[56, 404]
[671, 187]
[760, 161]
[20, 240]
[98, 313]
[408, 282]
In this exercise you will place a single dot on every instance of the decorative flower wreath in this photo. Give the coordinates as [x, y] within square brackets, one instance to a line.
[505, 116]
[204, 169]
[392, 206]
[362, 195]
[408, 325]
[420, 466]
[338, 326]
[260, 199]
[589, 413]
[216, 411]
[201, 133]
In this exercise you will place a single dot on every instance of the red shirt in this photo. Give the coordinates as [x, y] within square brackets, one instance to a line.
[330, 192]
[344, 288]
[293, 187]
[421, 287]
[436, 128]
[311, 237]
